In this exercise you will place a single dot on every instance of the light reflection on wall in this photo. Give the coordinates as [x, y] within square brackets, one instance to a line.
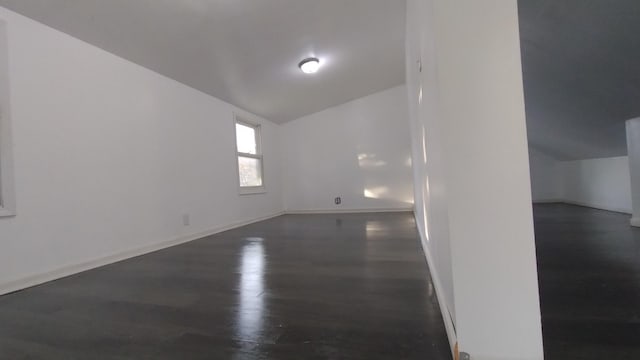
[376, 192]
[408, 162]
[251, 300]
[425, 199]
[424, 145]
[367, 161]
[372, 162]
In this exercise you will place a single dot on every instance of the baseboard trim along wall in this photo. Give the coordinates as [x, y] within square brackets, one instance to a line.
[598, 206]
[446, 317]
[584, 204]
[347, 211]
[68, 270]
[548, 201]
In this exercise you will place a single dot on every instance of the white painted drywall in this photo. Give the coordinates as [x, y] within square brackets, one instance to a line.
[633, 148]
[7, 189]
[109, 156]
[473, 102]
[359, 151]
[599, 183]
[546, 184]
[429, 167]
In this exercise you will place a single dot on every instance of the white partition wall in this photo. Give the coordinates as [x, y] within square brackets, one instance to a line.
[633, 146]
[7, 190]
[472, 182]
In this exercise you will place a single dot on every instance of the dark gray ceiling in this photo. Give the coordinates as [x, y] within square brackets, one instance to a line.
[581, 63]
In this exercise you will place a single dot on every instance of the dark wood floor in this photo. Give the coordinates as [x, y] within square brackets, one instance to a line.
[589, 272]
[294, 287]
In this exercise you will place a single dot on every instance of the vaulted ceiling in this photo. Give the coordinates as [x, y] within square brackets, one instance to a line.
[581, 63]
[581, 58]
[246, 51]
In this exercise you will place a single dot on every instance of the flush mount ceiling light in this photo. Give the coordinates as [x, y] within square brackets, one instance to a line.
[310, 65]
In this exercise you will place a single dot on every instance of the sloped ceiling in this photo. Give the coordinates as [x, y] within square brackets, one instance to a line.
[246, 51]
[581, 63]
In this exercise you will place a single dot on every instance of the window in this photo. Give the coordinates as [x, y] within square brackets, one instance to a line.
[7, 196]
[249, 153]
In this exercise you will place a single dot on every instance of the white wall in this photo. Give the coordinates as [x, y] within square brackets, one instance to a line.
[109, 156]
[469, 136]
[633, 147]
[359, 151]
[600, 183]
[7, 190]
[546, 185]
[430, 188]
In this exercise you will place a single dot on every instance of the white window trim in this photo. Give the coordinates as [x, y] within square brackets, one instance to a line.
[7, 192]
[249, 190]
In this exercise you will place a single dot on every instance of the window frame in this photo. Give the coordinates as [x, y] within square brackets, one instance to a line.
[249, 190]
[7, 191]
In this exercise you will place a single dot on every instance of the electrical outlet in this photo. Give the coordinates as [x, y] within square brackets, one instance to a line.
[338, 200]
[186, 220]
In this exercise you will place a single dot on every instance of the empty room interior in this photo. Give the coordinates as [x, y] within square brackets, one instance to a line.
[581, 92]
[334, 179]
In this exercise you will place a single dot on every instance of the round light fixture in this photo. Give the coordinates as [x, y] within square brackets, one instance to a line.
[310, 65]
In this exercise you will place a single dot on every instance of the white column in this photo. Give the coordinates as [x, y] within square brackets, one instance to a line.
[633, 146]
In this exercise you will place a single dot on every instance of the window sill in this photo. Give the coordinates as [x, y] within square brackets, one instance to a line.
[252, 190]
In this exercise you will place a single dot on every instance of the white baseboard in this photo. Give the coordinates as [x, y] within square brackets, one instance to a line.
[347, 211]
[583, 204]
[446, 317]
[64, 271]
[597, 206]
[547, 201]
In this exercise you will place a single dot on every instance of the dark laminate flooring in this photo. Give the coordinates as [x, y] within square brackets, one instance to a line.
[295, 287]
[589, 273]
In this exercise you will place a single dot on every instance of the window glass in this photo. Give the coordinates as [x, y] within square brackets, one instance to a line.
[246, 139]
[250, 170]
